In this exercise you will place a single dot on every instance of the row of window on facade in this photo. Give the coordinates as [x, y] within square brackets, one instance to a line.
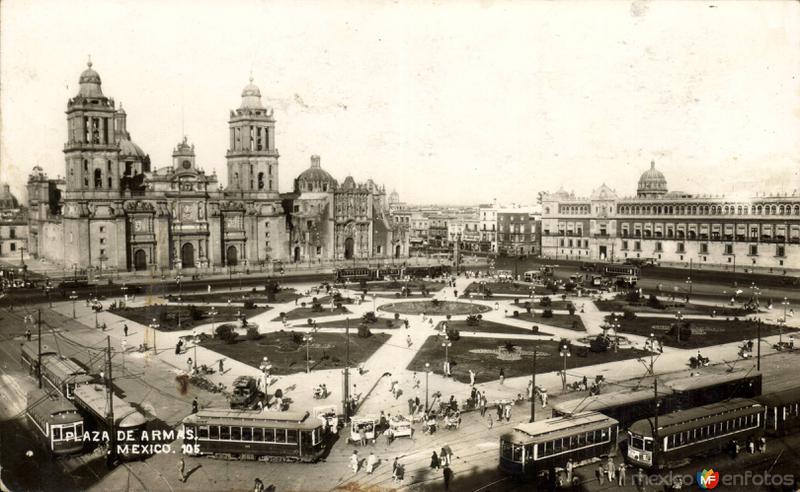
[730, 209]
[752, 249]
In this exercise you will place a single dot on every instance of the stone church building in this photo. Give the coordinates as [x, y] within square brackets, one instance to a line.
[115, 210]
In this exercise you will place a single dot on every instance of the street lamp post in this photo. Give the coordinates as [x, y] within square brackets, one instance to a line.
[689, 283]
[180, 296]
[308, 339]
[212, 313]
[265, 368]
[73, 297]
[783, 320]
[565, 354]
[427, 373]
[194, 341]
[615, 325]
[679, 321]
[446, 344]
[154, 326]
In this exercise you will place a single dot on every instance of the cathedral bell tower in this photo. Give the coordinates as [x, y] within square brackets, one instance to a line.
[91, 150]
[252, 156]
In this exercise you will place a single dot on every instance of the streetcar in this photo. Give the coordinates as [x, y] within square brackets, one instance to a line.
[56, 420]
[60, 373]
[545, 444]
[629, 272]
[679, 394]
[93, 400]
[30, 355]
[254, 435]
[64, 375]
[701, 430]
[783, 411]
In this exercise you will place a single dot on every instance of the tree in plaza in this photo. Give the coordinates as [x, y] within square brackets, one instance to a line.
[571, 309]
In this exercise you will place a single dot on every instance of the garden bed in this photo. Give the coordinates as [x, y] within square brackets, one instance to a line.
[486, 326]
[668, 307]
[434, 308]
[287, 351]
[308, 312]
[486, 356]
[259, 296]
[704, 333]
[167, 316]
[564, 321]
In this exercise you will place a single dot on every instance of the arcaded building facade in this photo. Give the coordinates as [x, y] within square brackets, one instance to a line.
[759, 233]
[115, 210]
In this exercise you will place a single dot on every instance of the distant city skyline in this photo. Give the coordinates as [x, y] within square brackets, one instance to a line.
[454, 104]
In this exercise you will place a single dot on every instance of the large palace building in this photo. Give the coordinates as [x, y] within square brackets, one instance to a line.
[114, 210]
[759, 233]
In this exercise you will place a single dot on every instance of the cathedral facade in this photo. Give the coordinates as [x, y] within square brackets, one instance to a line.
[114, 210]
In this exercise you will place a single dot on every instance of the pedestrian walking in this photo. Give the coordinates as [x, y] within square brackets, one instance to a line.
[182, 470]
[28, 334]
[499, 408]
[763, 447]
[621, 475]
[600, 474]
[221, 366]
[448, 476]
[397, 472]
[354, 461]
[543, 394]
[258, 485]
[751, 446]
[569, 468]
[435, 463]
[584, 384]
[491, 421]
[507, 412]
[125, 329]
[408, 341]
[611, 469]
[471, 377]
[371, 462]
[502, 375]
[194, 405]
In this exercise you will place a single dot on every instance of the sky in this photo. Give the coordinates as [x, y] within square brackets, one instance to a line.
[450, 102]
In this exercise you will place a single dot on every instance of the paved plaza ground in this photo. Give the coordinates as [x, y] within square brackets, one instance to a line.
[389, 355]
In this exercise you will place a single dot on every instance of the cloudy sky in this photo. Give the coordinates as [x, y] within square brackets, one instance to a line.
[448, 101]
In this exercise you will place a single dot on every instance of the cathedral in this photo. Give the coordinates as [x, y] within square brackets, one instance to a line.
[115, 210]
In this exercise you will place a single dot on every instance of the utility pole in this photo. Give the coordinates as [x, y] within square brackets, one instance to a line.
[758, 347]
[112, 452]
[346, 392]
[39, 362]
[655, 427]
[533, 388]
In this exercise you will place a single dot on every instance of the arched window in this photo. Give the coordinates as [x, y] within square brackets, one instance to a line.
[98, 178]
[260, 181]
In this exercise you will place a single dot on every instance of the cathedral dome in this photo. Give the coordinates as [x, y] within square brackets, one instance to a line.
[652, 182]
[315, 178]
[90, 82]
[129, 149]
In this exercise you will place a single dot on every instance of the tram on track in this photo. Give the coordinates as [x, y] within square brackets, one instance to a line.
[254, 435]
[56, 420]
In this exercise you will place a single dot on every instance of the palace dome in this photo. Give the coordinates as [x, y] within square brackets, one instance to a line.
[652, 183]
